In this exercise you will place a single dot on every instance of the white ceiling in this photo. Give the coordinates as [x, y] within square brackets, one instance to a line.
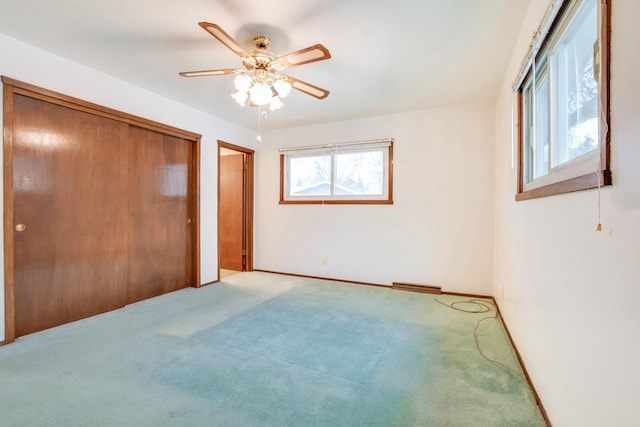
[387, 55]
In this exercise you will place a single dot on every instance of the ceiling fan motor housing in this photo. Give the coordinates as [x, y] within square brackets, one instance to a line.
[262, 42]
[261, 58]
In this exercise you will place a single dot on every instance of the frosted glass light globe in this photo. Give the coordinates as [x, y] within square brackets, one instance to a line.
[240, 97]
[283, 87]
[242, 82]
[275, 103]
[260, 94]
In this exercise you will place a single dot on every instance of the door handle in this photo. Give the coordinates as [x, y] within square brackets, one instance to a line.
[20, 227]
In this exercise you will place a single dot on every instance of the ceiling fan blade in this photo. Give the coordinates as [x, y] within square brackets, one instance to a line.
[304, 56]
[208, 72]
[308, 88]
[225, 38]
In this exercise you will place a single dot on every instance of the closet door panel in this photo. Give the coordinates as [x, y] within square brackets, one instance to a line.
[70, 212]
[159, 229]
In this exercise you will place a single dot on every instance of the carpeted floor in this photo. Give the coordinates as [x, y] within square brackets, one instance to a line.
[261, 349]
[224, 273]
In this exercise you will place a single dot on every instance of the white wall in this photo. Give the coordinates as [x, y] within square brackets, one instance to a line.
[439, 229]
[568, 293]
[32, 65]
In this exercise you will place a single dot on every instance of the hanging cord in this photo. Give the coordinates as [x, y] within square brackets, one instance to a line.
[482, 306]
[260, 117]
[599, 173]
[605, 130]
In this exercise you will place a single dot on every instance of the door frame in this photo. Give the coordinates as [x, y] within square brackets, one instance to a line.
[247, 225]
[15, 87]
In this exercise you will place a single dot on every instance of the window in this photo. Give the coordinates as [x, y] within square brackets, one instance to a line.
[563, 103]
[342, 173]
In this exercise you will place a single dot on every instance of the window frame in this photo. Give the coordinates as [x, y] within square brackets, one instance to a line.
[386, 199]
[584, 181]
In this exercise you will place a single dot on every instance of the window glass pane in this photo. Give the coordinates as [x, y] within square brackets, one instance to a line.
[577, 97]
[541, 144]
[310, 176]
[360, 173]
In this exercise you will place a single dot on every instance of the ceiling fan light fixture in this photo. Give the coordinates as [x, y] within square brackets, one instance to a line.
[240, 97]
[282, 86]
[259, 82]
[260, 94]
[242, 82]
[275, 103]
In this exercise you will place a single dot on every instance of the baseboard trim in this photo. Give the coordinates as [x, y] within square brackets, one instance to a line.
[354, 282]
[543, 411]
[324, 278]
[462, 294]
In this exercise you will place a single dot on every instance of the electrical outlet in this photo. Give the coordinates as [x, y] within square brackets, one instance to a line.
[324, 260]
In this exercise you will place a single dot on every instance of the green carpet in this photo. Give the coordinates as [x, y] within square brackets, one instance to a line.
[267, 350]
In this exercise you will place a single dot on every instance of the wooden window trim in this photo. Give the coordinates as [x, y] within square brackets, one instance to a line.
[595, 179]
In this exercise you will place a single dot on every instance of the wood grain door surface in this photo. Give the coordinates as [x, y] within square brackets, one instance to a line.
[69, 174]
[105, 209]
[231, 208]
[159, 223]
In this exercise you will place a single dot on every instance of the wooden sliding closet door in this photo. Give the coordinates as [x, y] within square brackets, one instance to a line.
[159, 216]
[101, 209]
[69, 177]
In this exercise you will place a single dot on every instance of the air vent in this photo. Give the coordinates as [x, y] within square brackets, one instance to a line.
[415, 287]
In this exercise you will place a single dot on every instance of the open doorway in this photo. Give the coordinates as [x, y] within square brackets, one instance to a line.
[235, 209]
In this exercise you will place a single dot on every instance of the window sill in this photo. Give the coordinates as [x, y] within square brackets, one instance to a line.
[583, 182]
[336, 202]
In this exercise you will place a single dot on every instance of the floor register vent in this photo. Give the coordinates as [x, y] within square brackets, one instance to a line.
[415, 287]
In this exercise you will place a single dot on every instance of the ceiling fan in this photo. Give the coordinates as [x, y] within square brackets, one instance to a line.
[259, 81]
